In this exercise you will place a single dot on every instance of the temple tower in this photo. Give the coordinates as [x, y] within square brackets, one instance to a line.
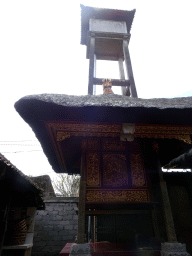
[106, 33]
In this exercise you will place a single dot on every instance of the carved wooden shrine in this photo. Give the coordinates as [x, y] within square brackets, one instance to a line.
[118, 143]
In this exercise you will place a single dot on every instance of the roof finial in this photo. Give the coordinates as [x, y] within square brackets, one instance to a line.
[107, 84]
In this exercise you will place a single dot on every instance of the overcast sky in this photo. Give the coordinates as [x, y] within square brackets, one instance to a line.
[40, 52]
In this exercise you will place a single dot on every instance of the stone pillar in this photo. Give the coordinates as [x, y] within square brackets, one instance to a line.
[81, 248]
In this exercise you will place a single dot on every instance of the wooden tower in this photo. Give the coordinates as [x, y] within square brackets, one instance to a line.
[106, 33]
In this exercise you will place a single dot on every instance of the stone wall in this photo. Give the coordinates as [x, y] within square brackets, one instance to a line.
[55, 226]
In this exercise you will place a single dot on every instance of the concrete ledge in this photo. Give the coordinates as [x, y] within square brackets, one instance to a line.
[173, 249]
[62, 200]
[80, 250]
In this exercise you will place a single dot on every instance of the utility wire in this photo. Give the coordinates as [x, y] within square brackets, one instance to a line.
[15, 140]
[20, 151]
[19, 144]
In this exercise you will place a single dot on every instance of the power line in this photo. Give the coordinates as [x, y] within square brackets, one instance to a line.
[19, 144]
[15, 140]
[20, 151]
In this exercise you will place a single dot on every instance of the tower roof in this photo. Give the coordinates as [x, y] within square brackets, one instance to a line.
[104, 14]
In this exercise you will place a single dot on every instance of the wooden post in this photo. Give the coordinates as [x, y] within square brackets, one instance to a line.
[91, 63]
[170, 228]
[155, 222]
[124, 90]
[81, 213]
[129, 68]
[122, 75]
[94, 75]
[4, 224]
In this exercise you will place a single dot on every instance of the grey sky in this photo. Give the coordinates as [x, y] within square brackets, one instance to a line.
[40, 52]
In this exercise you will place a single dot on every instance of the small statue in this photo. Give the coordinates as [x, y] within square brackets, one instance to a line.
[107, 84]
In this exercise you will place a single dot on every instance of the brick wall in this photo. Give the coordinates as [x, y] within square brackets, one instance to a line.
[55, 226]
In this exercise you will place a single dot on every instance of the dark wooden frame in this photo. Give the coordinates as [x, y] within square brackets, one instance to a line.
[127, 86]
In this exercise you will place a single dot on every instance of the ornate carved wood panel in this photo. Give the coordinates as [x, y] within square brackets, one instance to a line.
[182, 133]
[131, 196]
[107, 171]
[137, 165]
[93, 169]
[114, 170]
[60, 131]
[113, 144]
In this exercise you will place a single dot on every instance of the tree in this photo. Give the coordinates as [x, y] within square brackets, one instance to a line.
[66, 185]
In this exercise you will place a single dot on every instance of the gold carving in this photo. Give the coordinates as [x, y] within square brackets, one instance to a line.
[93, 170]
[114, 170]
[163, 129]
[85, 134]
[113, 144]
[91, 144]
[59, 131]
[62, 136]
[137, 165]
[155, 146]
[114, 130]
[96, 212]
[84, 127]
[131, 196]
[184, 138]
[164, 132]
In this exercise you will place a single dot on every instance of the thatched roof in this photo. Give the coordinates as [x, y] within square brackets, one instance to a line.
[110, 100]
[110, 107]
[23, 191]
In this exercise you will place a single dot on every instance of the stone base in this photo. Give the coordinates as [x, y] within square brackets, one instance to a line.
[173, 249]
[80, 250]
